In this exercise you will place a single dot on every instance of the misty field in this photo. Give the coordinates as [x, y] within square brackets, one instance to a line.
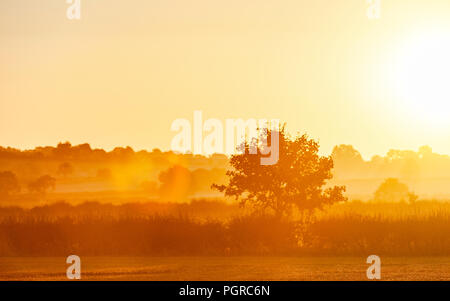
[225, 268]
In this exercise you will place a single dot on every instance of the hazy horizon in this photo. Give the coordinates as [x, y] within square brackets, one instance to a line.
[321, 151]
[124, 72]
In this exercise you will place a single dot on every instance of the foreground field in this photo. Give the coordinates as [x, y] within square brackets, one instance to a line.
[225, 268]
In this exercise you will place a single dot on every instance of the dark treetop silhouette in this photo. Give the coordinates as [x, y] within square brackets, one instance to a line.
[296, 182]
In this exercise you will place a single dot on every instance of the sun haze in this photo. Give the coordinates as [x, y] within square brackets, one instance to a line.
[125, 71]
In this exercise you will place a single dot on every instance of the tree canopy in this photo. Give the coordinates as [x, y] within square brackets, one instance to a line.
[296, 181]
[392, 190]
[8, 183]
[42, 184]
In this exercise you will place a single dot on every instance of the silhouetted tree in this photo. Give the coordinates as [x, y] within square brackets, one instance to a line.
[348, 162]
[65, 169]
[392, 190]
[62, 151]
[296, 181]
[42, 184]
[121, 153]
[8, 183]
[346, 154]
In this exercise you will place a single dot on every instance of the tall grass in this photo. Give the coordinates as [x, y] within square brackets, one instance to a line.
[358, 234]
[421, 229]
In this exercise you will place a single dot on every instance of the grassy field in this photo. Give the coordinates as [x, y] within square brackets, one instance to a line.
[225, 268]
[207, 229]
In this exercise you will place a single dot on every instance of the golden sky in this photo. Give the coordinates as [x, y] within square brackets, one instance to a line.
[127, 69]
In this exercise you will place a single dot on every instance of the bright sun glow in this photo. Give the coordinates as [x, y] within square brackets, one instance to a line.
[424, 77]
